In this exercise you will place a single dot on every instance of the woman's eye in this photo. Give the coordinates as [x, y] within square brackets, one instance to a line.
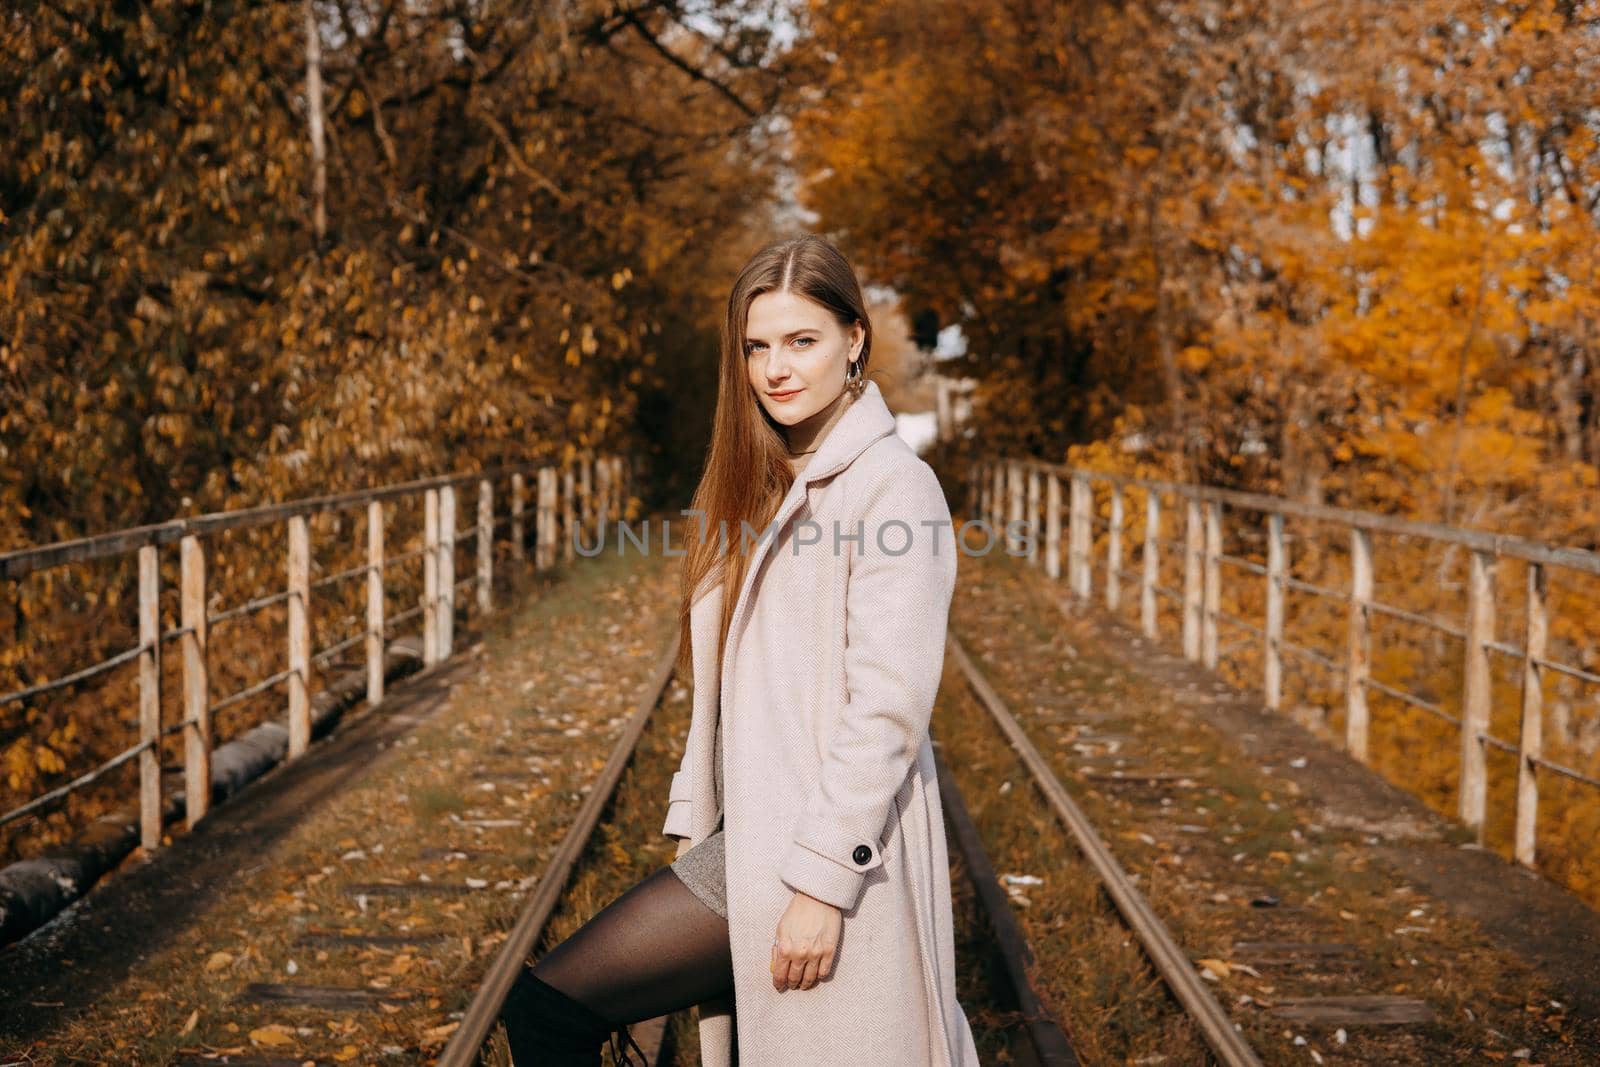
[806, 340]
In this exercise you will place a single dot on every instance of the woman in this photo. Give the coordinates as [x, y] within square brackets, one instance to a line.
[808, 908]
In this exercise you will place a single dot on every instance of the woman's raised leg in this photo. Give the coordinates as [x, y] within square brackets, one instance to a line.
[656, 949]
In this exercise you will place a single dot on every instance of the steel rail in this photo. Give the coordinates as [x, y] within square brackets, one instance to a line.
[1224, 1040]
[1050, 1042]
[484, 1009]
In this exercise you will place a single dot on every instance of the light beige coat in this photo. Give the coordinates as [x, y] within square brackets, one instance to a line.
[827, 685]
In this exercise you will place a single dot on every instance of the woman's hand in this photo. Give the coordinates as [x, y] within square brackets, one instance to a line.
[807, 935]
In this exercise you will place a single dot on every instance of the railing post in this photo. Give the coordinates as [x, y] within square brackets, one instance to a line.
[544, 525]
[447, 571]
[1033, 515]
[196, 682]
[997, 496]
[1013, 506]
[1359, 665]
[150, 697]
[1152, 562]
[1193, 542]
[299, 635]
[602, 515]
[485, 546]
[1080, 535]
[375, 643]
[1114, 552]
[1052, 525]
[620, 488]
[1475, 691]
[1212, 591]
[430, 577]
[586, 501]
[618, 483]
[1272, 658]
[518, 493]
[1532, 735]
[568, 516]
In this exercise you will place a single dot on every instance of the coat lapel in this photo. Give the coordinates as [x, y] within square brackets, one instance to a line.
[866, 420]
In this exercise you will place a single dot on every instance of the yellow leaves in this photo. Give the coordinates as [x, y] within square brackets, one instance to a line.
[274, 1035]
[1139, 156]
[1195, 357]
[435, 1035]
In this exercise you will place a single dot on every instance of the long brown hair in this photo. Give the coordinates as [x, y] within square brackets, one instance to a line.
[747, 468]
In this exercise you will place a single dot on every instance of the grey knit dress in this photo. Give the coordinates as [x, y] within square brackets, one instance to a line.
[701, 868]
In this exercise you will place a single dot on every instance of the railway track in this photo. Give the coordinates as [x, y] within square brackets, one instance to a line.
[469, 1044]
[1050, 1045]
[1221, 1035]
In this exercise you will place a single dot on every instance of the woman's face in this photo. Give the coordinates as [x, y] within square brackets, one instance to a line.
[796, 354]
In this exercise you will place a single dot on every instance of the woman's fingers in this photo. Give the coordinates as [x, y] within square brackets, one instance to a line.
[799, 968]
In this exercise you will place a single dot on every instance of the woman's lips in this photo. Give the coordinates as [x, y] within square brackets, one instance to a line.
[784, 396]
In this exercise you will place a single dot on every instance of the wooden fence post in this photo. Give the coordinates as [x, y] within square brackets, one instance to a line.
[997, 499]
[1052, 525]
[586, 502]
[569, 521]
[1359, 664]
[1152, 562]
[518, 493]
[1475, 691]
[1080, 535]
[1193, 542]
[619, 488]
[1033, 515]
[1532, 735]
[150, 697]
[1114, 552]
[1272, 657]
[602, 477]
[1013, 506]
[196, 682]
[545, 527]
[375, 642]
[485, 546]
[1212, 585]
[619, 483]
[299, 635]
[430, 577]
[447, 571]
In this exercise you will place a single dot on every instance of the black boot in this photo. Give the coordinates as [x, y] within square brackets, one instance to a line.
[547, 1028]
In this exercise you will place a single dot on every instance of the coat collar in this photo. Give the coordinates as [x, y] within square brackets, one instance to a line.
[865, 421]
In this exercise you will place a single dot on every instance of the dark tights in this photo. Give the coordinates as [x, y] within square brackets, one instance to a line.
[654, 950]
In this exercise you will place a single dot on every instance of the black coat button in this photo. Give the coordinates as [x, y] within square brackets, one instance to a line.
[863, 854]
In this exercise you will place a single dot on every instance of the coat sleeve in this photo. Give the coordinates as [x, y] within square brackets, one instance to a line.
[679, 793]
[897, 606]
[677, 823]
